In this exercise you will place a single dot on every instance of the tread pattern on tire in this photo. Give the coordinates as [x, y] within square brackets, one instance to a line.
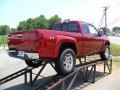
[102, 55]
[58, 63]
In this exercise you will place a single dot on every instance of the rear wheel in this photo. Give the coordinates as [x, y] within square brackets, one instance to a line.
[105, 55]
[66, 62]
[34, 63]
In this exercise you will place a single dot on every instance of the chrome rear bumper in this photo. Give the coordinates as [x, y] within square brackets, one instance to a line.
[23, 54]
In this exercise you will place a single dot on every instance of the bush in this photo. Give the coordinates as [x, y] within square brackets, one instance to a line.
[3, 40]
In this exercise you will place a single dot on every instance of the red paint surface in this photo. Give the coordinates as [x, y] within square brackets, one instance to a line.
[48, 42]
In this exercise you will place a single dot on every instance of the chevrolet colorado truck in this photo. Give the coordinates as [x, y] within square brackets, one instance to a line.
[63, 44]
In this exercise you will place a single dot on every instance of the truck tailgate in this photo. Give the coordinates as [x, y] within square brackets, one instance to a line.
[24, 40]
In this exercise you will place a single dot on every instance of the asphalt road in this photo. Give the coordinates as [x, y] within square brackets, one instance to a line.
[110, 82]
[9, 65]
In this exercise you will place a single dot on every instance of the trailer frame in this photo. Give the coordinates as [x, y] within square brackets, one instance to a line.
[85, 70]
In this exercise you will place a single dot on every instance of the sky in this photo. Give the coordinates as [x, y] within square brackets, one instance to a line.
[14, 11]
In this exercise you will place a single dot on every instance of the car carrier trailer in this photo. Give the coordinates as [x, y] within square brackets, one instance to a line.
[86, 70]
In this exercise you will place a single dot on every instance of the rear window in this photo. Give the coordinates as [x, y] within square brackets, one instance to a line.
[68, 27]
[56, 27]
[64, 27]
[73, 27]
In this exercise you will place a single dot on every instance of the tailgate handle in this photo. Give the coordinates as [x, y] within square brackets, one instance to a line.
[19, 35]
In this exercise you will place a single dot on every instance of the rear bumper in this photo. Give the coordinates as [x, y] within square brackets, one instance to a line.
[23, 55]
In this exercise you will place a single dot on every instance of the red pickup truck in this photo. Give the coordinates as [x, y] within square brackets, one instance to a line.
[63, 44]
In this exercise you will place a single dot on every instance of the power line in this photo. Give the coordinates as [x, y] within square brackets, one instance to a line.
[114, 21]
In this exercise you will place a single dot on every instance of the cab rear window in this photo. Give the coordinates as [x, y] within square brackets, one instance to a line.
[68, 27]
[56, 27]
[64, 27]
[73, 27]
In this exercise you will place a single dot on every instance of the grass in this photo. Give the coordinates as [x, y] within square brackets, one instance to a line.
[115, 50]
[3, 40]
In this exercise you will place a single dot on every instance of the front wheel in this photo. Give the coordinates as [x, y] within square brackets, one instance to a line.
[105, 55]
[66, 62]
[34, 63]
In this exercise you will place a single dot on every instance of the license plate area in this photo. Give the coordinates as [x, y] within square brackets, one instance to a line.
[21, 53]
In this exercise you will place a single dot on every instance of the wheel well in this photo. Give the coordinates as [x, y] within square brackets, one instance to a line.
[68, 45]
[107, 43]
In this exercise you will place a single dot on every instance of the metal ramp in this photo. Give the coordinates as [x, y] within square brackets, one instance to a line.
[58, 82]
[15, 75]
[85, 70]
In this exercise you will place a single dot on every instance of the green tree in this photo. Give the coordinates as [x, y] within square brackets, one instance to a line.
[30, 23]
[13, 30]
[22, 26]
[41, 22]
[53, 20]
[38, 23]
[116, 29]
[4, 29]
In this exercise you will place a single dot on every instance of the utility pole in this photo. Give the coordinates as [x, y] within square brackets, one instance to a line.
[105, 14]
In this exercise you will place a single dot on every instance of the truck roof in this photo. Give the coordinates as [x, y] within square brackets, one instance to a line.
[67, 21]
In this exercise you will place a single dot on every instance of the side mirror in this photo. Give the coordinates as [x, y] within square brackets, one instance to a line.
[101, 32]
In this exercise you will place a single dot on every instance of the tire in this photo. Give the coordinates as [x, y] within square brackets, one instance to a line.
[34, 63]
[66, 62]
[105, 55]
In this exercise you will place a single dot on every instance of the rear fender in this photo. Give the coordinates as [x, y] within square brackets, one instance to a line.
[60, 40]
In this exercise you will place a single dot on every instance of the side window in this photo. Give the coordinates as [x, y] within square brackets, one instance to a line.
[64, 27]
[73, 27]
[85, 28]
[93, 31]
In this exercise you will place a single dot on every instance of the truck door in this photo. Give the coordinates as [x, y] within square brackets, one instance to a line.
[87, 45]
[92, 40]
[96, 40]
